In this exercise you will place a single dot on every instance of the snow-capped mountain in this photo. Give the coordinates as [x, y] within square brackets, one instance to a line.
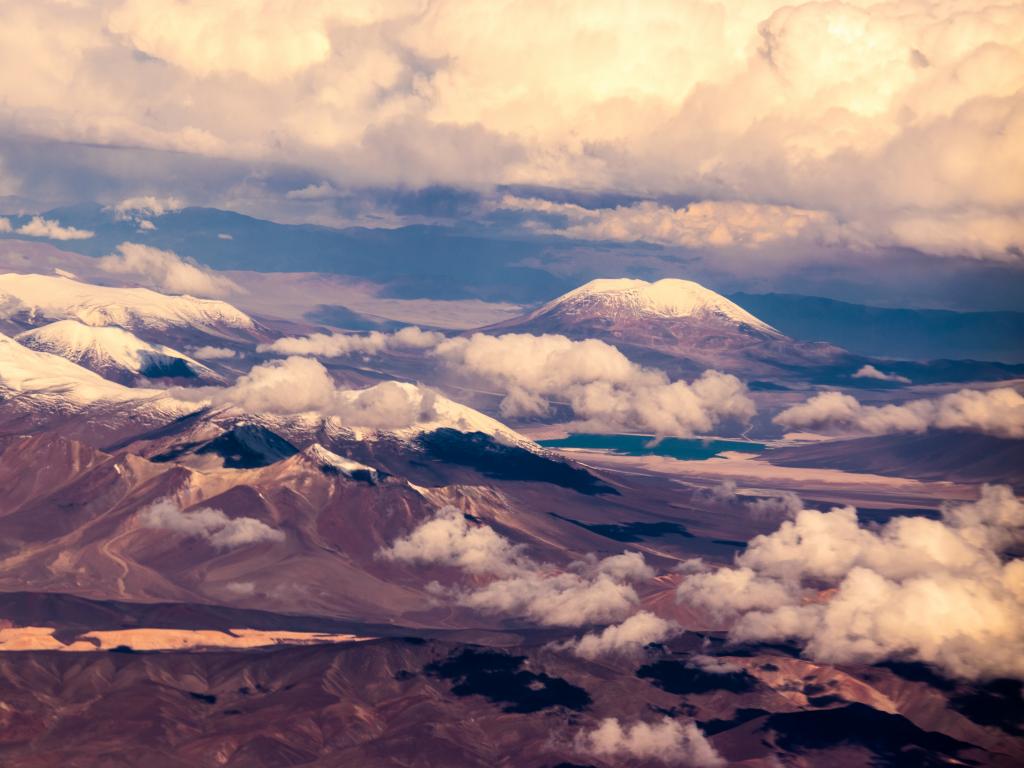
[678, 325]
[114, 353]
[39, 390]
[34, 299]
[624, 299]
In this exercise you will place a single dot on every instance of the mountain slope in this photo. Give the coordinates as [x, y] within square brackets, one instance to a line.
[114, 352]
[678, 325]
[627, 300]
[30, 299]
[915, 334]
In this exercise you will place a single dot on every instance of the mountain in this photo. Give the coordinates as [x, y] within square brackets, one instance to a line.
[960, 457]
[914, 334]
[678, 324]
[29, 300]
[623, 300]
[115, 353]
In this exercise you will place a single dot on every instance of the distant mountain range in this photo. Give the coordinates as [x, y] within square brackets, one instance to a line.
[474, 262]
[915, 334]
[685, 328]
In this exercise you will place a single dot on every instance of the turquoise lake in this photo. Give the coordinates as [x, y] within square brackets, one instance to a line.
[692, 449]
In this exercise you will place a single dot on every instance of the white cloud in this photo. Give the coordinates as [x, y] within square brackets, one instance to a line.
[998, 412]
[5, 225]
[146, 206]
[338, 344]
[627, 638]
[945, 592]
[298, 385]
[167, 271]
[869, 371]
[762, 505]
[210, 524]
[320, 191]
[213, 353]
[697, 225]
[37, 226]
[667, 741]
[607, 391]
[586, 591]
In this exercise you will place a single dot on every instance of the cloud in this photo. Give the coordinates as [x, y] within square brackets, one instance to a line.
[945, 592]
[146, 207]
[627, 638]
[213, 353]
[321, 191]
[868, 371]
[586, 591]
[37, 226]
[998, 412]
[167, 271]
[604, 388]
[770, 104]
[710, 224]
[5, 225]
[338, 344]
[210, 524]
[298, 385]
[667, 741]
[606, 391]
[780, 506]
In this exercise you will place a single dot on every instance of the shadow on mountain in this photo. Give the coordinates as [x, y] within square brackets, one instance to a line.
[894, 739]
[507, 462]
[499, 678]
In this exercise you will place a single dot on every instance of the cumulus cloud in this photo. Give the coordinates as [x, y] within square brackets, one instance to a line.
[298, 385]
[945, 592]
[207, 523]
[627, 638]
[667, 741]
[339, 344]
[604, 388]
[869, 371]
[998, 412]
[146, 207]
[606, 391]
[213, 353]
[586, 591]
[760, 505]
[167, 271]
[37, 226]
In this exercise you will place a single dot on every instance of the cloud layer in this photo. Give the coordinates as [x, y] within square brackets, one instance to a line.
[209, 524]
[998, 412]
[900, 121]
[297, 385]
[586, 591]
[945, 592]
[606, 391]
[166, 271]
[666, 741]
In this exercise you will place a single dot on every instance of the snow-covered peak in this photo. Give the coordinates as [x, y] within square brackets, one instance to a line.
[321, 456]
[667, 298]
[59, 298]
[26, 371]
[111, 350]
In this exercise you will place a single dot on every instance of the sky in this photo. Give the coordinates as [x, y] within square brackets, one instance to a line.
[759, 137]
